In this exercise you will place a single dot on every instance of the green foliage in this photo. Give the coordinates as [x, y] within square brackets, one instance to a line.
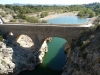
[1, 38]
[43, 21]
[1, 6]
[75, 8]
[83, 33]
[89, 10]
[92, 14]
[13, 20]
[43, 14]
[95, 7]
[32, 20]
[21, 16]
[84, 45]
[97, 21]
[2, 14]
[86, 13]
[9, 6]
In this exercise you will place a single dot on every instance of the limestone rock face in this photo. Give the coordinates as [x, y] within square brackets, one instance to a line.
[6, 64]
[42, 51]
[84, 59]
[15, 57]
[25, 41]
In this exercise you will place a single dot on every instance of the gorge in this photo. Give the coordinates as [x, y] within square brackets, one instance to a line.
[50, 39]
[36, 51]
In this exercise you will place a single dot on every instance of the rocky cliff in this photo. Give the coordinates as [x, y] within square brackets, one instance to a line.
[84, 58]
[19, 55]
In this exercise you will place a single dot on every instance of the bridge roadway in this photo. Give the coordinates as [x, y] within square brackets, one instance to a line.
[39, 32]
[56, 25]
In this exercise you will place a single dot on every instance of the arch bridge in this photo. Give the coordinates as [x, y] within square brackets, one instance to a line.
[39, 32]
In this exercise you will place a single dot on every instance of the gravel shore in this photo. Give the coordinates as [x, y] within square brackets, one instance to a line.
[59, 15]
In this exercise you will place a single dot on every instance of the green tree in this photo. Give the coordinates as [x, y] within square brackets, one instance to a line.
[9, 6]
[1, 6]
[43, 14]
[92, 14]
[32, 20]
[43, 21]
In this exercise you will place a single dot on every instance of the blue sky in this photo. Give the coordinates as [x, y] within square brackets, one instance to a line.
[48, 1]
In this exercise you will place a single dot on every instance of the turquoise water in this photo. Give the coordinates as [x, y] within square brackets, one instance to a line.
[54, 60]
[67, 20]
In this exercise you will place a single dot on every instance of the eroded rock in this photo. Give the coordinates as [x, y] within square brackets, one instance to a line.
[25, 41]
[15, 57]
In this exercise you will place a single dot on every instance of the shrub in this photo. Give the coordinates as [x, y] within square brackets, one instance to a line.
[2, 14]
[43, 21]
[1, 38]
[84, 45]
[43, 14]
[13, 20]
[32, 20]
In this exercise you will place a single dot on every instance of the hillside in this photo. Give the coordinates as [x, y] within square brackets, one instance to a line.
[84, 58]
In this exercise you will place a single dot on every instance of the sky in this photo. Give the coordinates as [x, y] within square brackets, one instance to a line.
[48, 1]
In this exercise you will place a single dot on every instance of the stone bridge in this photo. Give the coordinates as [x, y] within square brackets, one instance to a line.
[40, 32]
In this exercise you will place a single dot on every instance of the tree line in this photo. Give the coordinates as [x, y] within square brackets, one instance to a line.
[85, 10]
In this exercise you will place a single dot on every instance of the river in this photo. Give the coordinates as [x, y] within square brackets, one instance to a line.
[67, 20]
[55, 58]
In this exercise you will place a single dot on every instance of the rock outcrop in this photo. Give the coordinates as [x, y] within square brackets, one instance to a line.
[42, 51]
[67, 48]
[84, 58]
[16, 56]
[49, 39]
[6, 64]
[25, 41]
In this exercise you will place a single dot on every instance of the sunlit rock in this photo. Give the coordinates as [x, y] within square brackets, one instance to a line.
[20, 56]
[25, 41]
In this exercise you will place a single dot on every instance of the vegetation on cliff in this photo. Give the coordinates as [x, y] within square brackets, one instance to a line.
[84, 58]
[1, 38]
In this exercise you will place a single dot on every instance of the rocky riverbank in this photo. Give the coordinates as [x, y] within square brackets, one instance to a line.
[19, 55]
